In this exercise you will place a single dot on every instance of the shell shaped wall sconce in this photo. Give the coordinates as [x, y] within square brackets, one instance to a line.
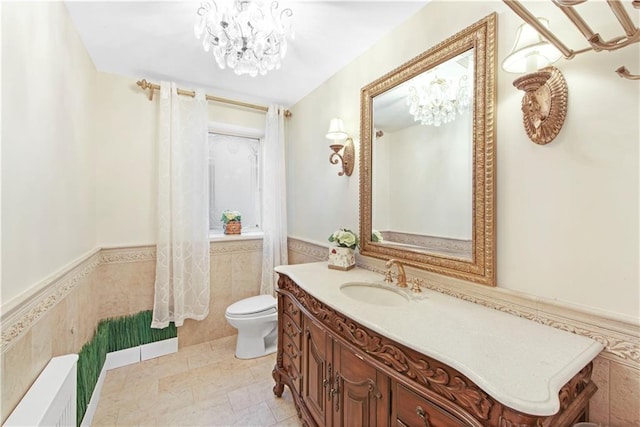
[544, 105]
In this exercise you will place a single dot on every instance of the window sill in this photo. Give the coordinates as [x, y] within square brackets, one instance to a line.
[250, 235]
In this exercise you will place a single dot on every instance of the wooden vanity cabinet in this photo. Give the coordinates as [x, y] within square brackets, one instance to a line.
[341, 373]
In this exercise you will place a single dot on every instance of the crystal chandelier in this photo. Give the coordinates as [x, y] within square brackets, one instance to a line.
[246, 35]
[438, 100]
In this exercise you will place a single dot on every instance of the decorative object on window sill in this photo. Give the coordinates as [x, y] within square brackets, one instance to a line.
[342, 257]
[631, 32]
[232, 222]
[436, 100]
[347, 158]
[544, 105]
[233, 227]
[249, 36]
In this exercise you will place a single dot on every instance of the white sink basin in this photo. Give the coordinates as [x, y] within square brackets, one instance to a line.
[374, 293]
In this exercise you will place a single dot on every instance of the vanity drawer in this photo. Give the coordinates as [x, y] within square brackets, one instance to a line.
[291, 329]
[292, 350]
[292, 367]
[291, 308]
[409, 409]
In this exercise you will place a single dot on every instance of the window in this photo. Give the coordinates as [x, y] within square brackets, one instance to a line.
[235, 180]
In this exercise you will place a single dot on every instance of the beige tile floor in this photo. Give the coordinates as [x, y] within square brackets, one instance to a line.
[200, 385]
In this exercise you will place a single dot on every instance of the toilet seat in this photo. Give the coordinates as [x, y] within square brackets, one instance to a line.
[253, 306]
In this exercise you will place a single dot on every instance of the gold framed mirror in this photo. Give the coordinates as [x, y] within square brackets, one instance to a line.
[427, 159]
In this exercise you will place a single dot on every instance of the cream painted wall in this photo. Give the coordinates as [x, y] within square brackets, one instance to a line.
[48, 155]
[78, 164]
[0, 156]
[126, 158]
[567, 213]
[125, 163]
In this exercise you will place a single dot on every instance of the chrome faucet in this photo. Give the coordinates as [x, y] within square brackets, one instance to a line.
[402, 277]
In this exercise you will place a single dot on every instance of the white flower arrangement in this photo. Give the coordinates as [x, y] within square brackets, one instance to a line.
[376, 236]
[228, 216]
[345, 238]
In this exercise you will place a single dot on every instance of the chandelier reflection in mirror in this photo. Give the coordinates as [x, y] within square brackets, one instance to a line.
[249, 36]
[434, 100]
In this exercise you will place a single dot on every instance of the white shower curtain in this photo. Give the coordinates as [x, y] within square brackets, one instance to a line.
[182, 267]
[274, 213]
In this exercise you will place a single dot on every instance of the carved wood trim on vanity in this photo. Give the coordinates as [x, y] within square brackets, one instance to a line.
[621, 339]
[440, 383]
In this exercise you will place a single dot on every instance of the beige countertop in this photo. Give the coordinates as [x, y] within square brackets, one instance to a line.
[520, 363]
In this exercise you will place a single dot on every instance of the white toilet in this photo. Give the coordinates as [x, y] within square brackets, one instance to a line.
[256, 319]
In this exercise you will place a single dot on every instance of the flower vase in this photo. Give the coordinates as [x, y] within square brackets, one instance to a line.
[233, 227]
[341, 258]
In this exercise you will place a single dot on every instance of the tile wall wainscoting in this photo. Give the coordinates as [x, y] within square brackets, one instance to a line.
[110, 282]
[59, 319]
[63, 314]
[127, 281]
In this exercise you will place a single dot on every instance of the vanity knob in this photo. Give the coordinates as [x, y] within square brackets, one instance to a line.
[387, 277]
[425, 417]
[416, 283]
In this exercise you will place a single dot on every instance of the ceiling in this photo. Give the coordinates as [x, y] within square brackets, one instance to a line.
[155, 41]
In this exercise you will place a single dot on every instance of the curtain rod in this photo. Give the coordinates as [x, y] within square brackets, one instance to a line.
[144, 85]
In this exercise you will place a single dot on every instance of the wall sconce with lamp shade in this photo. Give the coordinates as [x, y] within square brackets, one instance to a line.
[337, 133]
[544, 105]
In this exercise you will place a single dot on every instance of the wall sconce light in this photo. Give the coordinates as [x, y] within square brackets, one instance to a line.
[337, 133]
[544, 105]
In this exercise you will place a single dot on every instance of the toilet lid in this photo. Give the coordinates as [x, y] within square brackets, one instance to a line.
[252, 305]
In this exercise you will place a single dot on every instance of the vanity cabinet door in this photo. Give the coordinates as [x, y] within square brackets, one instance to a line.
[412, 410]
[360, 391]
[317, 372]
